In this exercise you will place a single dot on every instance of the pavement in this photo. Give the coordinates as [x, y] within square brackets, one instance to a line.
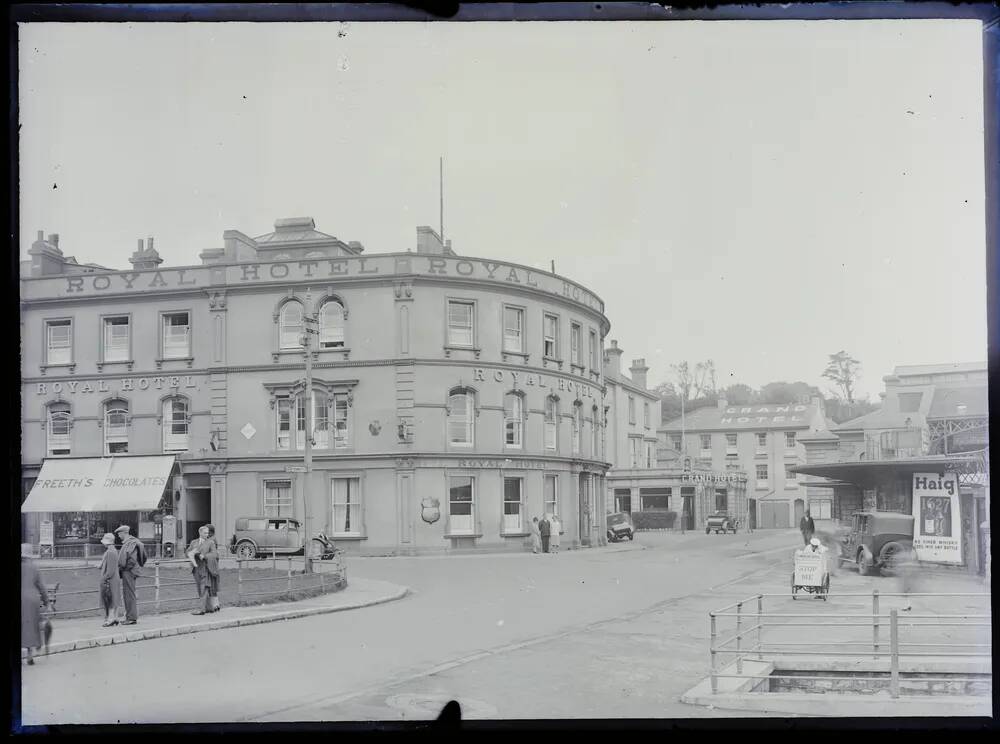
[85, 633]
[614, 632]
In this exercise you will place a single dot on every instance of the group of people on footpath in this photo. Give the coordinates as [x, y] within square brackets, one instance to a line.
[120, 568]
[545, 534]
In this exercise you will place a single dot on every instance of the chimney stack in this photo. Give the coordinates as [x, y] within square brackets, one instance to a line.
[46, 257]
[639, 370]
[613, 361]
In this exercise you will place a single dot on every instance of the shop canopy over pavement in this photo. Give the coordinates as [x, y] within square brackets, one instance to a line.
[865, 472]
[100, 484]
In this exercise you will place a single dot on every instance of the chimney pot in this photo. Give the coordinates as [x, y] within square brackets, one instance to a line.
[54, 239]
[41, 235]
[149, 243]
[140, 245]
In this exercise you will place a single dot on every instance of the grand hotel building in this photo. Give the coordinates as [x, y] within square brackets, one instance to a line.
[453, 398]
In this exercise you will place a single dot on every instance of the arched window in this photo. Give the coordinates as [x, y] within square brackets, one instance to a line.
[175, 424]
[577, 428]
[461, 417]
[116, 425]
[513, 420]
[551, 423]
[290, 325]
[331, 325]
[59, 424]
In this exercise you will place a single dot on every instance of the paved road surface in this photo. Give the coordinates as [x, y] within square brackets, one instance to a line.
[592, 633]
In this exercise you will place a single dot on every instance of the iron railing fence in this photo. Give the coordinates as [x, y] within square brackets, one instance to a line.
[745, 641]
[325, 573]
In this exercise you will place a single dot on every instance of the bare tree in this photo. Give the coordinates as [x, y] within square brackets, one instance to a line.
[843, 370]
[704, 378]
[685, 380]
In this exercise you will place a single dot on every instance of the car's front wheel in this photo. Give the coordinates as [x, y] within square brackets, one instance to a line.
[246, 550]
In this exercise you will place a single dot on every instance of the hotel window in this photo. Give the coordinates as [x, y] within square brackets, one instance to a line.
[57, 432]
[512, 508]
[116, 339]
[461, 322]
[550, 337]
[645, 415]
[513, 329]
[650, 455]
[300, 422]
[576, 344]
[59, 342]
[176, 336]
[331, 325]
[790, 477]
[762, 475]
[593, 351]
[284, 427]
[278, 499]
[631, 410]
[346, 507]
[513, 420]
[175, 425]
[290, 326]
[551, 423]
[461, 415]
[730, 443]
[321, 420]
[595, 433]
[116, 425]
[706, 445]
[461, 501]
[635, 445]
[789, 440]
[341, 421]
[577, 428]
[550, 496]
[762, 441]
[676, 442]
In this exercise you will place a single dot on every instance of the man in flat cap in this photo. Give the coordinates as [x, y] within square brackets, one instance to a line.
[131, 559]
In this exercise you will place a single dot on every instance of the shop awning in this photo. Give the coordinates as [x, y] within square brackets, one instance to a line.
[95, 484]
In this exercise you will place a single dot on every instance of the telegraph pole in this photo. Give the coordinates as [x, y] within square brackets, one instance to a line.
[310, 325]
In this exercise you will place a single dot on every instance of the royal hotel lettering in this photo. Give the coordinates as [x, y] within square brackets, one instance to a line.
[129, 384]
[480, 374]
[764, 414]
[339, 267]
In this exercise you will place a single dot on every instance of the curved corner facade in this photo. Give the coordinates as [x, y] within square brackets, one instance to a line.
[453, 399]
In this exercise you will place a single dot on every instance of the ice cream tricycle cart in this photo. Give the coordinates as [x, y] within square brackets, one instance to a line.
[811, 572]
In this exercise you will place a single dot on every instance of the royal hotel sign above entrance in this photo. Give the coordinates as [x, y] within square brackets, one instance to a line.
[388, 266]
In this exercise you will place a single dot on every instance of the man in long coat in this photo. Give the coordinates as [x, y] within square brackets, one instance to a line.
[545, 530]
[131, 559]
[205, 554]
[807, 527]
[33, 596]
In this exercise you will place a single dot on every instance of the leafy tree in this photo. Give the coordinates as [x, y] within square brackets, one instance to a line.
[839, 411]
[843, 370]
[788, 392]
[739, 394]
[670, 401]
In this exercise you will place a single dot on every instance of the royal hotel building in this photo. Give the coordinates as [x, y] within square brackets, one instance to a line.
[453, 398]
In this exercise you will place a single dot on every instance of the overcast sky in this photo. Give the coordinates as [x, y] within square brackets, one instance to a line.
[759, 193]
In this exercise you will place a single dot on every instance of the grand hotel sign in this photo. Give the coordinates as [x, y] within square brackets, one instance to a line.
[319, 269]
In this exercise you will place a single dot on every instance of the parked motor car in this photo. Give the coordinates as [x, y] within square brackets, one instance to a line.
[720, 522]
[877, 541]
[263, 536]
[620, 527]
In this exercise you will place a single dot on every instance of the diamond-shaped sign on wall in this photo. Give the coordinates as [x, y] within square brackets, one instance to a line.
[248, 431]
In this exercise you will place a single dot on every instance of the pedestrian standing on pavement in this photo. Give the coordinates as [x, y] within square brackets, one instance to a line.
[212, 564]
[545, 530]
[33, 596]
[131, 559]
[904, 564]
[536, 536]
[111, 582]
[199, 569]
[807, 527]
[554, 539]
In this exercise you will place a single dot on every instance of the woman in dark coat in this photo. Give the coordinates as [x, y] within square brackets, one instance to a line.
[33, 595]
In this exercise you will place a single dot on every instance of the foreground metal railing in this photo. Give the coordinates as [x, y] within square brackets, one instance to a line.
[744, 641]
[325, 573]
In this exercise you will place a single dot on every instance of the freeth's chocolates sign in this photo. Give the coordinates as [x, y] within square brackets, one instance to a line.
[320, 269]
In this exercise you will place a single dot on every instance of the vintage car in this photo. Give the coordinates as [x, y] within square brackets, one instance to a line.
[264, 536]
[720, 522]
[877, 541]
[620, 527]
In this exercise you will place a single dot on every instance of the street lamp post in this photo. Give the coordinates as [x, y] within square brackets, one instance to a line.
[310, 325]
